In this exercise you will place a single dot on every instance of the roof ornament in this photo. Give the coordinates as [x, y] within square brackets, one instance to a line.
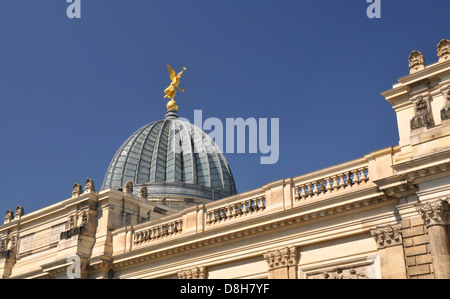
[443, 49]
[171, 90]
[416, 61]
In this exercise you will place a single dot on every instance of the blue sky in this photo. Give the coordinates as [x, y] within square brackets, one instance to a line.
[72, 90]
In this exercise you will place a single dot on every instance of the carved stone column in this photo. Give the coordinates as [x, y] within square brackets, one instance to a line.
[390, 249]
[435, 216]
[282, 263]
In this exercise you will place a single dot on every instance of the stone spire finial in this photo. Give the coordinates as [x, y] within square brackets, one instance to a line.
[416, 61]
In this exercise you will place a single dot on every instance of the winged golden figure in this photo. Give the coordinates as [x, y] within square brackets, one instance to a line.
[171, 91]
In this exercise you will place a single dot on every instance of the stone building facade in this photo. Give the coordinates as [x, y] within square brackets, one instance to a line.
[382, 216]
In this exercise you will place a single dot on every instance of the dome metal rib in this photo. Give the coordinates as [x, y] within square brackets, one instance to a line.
[172, 157]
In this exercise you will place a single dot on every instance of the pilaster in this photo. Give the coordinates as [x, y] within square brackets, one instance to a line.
[282, 263]
[435, 216]
[389, 241]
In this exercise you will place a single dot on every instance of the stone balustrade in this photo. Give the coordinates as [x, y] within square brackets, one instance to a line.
[269, 199]
[158, 232]
[240, 208]
[330, 183]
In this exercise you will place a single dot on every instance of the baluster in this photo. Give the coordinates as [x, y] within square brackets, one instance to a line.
[322, 187]
[341, 181]
[231, 213]
[328, 180]
[309, 192]
[335, 183]
[262, 204]
[248, 206]
[355, 177]
[316, 189]
[296, 192]
[238, 209]
[349, 181]
[136, 239]
[363, 175]
[144, 236]
[302, 193]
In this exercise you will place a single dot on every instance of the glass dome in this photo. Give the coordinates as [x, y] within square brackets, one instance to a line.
[172, 157]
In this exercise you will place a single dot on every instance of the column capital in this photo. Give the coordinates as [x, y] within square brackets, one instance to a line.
[281, 257]
[193, 273]
[435, 213]
[387, 236]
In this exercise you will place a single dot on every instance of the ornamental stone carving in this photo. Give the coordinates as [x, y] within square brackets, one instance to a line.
[281, 257]
[128, 188]
[19, 212]
[89, 186]
[143, 193]
[340, 273]
[77, 190]
[423, 116]
[443, 50]
[194, 273]
[434, 213]
[9, 216]
[387, 236]
[416, 61]
[445, 111]
[7, 246]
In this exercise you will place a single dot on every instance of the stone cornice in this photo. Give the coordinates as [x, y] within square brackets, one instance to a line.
[234, 231]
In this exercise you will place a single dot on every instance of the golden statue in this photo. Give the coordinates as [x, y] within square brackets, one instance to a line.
[171, 91]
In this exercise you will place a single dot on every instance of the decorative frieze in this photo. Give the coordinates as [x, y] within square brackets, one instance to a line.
[390, 235]
[434, 213]
[194, 273]
[339, 273]
[281, 257]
